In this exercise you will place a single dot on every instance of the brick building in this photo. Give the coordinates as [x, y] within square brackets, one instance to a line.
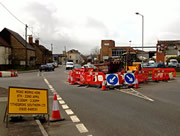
[166, 49]
[42, 54]
[108, 50]
[19, 54]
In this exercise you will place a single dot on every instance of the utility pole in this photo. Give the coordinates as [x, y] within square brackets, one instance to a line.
[65, 54]
[52, 51]
[26, 61]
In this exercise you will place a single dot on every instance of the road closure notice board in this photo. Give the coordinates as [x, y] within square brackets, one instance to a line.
[27, 101]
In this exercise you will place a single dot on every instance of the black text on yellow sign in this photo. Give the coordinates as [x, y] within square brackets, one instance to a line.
[27, 101]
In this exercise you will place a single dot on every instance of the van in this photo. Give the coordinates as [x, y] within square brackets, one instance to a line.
[69, 65]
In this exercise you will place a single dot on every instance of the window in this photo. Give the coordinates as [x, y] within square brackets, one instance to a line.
[106, 44]
[118, 52]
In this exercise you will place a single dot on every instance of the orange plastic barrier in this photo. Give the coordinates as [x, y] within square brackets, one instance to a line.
[81, 75]
[94, 78]
[121, 77]
[162, 74]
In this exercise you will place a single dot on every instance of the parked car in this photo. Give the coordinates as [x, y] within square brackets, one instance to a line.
[46, 67]
[69, 65]
[77, 66]
[160, 65]
[51, 66]
[55, 64]
[89, 65]
[154, 65]
[173, 63]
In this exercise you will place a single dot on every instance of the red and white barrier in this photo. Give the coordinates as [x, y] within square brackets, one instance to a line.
[8, 74]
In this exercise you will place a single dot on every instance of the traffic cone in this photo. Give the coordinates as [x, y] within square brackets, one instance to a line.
[55, 113]
[69, 80]
[136, 83]
[12, 74]
[103, 85]
[72, 81]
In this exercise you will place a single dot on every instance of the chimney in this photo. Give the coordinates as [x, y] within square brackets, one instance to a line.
[30, 39]
[37, 41]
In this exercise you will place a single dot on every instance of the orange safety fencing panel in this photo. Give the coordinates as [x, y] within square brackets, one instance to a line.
[94, 78]
[139, 75]
[163, 74]
[121, 77]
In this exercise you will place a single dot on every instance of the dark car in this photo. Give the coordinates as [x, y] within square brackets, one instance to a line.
[46, 68]
[160, 65]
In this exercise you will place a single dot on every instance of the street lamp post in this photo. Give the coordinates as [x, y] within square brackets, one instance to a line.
[137, 13]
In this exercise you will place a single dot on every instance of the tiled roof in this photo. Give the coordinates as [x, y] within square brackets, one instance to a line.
[20, 39]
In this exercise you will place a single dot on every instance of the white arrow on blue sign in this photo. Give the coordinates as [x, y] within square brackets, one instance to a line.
[112, 79]
[129, 78]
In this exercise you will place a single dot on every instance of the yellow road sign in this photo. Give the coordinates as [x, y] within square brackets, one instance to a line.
[27, 101]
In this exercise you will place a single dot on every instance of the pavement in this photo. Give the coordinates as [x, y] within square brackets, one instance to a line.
[16, 127]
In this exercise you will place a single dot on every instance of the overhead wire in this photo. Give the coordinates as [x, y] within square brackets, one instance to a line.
[19, 20]
[11, 13]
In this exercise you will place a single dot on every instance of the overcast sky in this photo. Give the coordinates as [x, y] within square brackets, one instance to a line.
[82, 24]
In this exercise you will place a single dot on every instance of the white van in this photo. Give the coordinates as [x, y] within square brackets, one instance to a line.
[69, 65]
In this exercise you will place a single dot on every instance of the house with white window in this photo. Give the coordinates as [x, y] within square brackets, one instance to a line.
[74, 56]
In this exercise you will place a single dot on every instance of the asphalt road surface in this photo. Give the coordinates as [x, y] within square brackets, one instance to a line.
[151, 110]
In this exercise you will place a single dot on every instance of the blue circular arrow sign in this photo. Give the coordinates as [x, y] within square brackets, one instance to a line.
[129, 78]
[112, 79]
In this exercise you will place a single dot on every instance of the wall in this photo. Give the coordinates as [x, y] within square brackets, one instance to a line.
[106, 48]
[5, 52]
[19, 53]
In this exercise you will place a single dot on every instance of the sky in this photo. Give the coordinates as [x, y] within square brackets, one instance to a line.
[82, 24]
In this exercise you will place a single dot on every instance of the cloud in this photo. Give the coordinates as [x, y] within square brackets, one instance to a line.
[82, 34]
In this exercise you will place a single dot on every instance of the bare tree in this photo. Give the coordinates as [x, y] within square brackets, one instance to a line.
[95, 51]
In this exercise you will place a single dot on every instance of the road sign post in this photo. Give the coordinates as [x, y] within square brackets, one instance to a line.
[112, 79]
[129, 78]
[25, 101]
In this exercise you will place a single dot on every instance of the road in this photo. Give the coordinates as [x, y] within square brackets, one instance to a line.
[152, 110]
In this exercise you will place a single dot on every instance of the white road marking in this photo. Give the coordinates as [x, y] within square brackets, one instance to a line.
[50, 86]
[43, 131]
[59, 98]
[65, 106]
[135, 93]
[61, 102]
[53, 90]
[69, 112]
[74, 119]
[81, 128]
[46, 81]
